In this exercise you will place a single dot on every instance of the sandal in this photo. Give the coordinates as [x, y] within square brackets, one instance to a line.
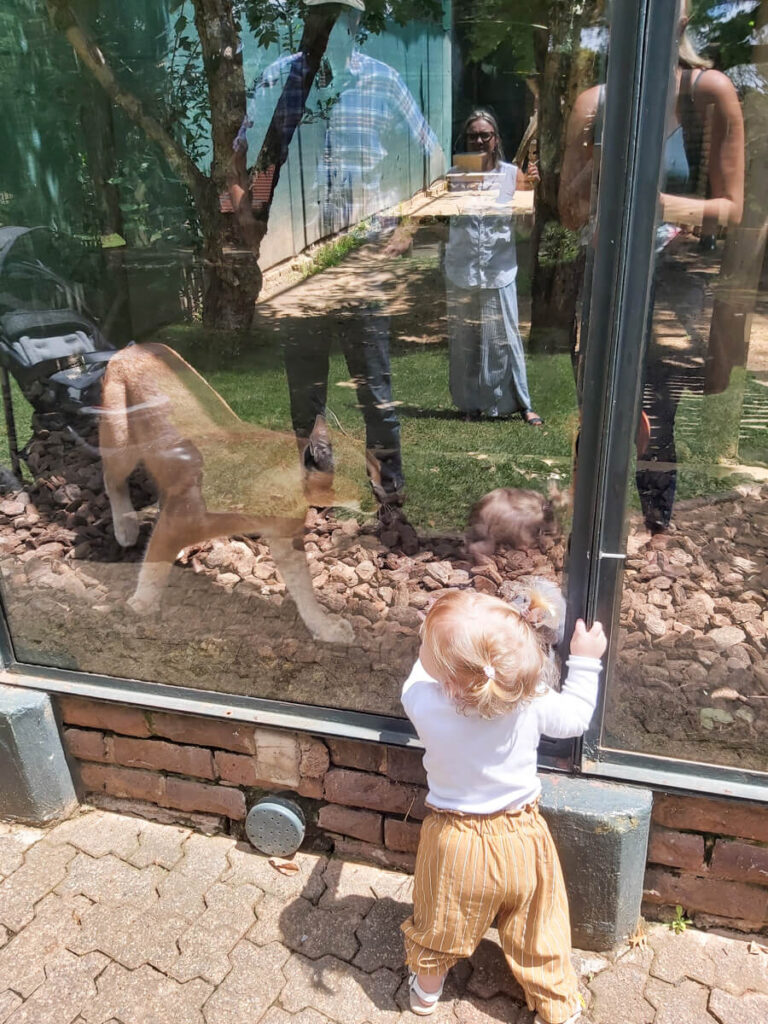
[422, 1003]
[532, 418]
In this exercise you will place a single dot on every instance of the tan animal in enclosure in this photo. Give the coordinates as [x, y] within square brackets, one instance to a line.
[512, 516]
[216, 476]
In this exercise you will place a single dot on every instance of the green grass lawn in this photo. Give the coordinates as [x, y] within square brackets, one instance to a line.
[449, 464]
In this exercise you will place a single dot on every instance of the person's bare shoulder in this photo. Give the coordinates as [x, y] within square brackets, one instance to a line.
[713, 86]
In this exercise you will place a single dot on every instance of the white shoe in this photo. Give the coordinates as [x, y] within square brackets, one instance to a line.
[422, 1003]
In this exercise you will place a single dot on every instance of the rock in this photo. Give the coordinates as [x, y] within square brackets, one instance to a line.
[710, 717]
[441, 572]
[727, 636]
[365, 571]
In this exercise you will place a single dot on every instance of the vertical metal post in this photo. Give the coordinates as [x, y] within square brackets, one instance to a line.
[640, 62]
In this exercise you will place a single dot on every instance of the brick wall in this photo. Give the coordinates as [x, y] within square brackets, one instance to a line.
[709, 855]
[368, 797]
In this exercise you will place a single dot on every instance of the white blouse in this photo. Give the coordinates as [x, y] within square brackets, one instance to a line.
[481, 249]
[483, 765]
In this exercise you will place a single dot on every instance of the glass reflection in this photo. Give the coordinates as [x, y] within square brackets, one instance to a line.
[342, 347]
[694, 587]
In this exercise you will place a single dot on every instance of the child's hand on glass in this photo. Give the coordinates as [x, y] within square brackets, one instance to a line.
[588, 643]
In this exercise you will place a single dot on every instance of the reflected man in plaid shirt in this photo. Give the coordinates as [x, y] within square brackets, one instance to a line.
[357, 107]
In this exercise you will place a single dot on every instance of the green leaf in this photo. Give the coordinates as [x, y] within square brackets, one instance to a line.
[113, 241]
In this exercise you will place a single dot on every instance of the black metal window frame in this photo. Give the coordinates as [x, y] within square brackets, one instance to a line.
[641, 61]
[637, 90]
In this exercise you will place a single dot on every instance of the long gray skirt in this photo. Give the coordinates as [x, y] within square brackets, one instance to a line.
[487, 361]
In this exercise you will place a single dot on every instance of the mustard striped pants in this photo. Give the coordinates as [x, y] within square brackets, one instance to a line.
[471, 869]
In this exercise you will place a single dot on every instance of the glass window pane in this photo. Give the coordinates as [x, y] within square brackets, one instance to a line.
[339, 236]
[692, 677]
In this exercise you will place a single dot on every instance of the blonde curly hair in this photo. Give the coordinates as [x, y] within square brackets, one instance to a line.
[487, 656]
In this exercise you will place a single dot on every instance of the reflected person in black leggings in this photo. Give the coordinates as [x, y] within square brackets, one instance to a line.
[704, 97]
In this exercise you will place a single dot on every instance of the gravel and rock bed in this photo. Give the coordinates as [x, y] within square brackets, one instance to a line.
[691, 676]
[690, 679]
[226, 622]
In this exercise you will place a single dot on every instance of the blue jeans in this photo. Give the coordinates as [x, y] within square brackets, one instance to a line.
[365, 344]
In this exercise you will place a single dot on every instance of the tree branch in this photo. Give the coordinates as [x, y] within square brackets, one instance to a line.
[65, 21]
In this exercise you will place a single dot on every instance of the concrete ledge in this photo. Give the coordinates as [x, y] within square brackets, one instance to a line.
[601, 833]
[36, 783]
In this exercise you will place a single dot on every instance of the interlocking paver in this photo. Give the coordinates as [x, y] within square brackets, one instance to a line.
[750, 1008]
[340, 991]
[145, 996]
[738, 970]
[13, 846]
[23, 959]
[252, 868]
[250, 988]
[9, 1002]
[111, 920]
[618, 993]
[230, 907]
[205, 946]
[268, 927]
[392, 885]
[109, 880]
[159, 844]
[491, 975]
[43, 868]
[68, 984]
[348, 882]
[491, 1011]
[276, 1015]
[129, 934]
[686, 1001]
[182, 891]
[688, 955]
[98, 833]
[380, 938]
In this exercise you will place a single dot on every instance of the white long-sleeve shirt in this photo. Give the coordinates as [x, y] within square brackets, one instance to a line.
[483, 765]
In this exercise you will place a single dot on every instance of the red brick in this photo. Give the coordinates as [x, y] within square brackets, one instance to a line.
[401, 835]
[715, 816]
[161, 756]
[743, 862]
[314, 757]
[368, 757]
[709, 895]
[312, 788]
[360, 789]
[405, 765]
[356, 849]
[237, 769]
[87, 744]
[125, 782]
[204, 732]
[359, 824]
[676, 849]
[100, 714]
[186, 795]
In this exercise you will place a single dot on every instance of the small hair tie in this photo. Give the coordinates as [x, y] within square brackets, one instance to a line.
[490, 671]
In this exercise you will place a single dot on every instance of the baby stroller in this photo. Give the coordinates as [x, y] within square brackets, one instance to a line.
[48, 341]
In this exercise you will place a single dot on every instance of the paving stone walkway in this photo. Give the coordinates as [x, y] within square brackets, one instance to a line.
[110, 919]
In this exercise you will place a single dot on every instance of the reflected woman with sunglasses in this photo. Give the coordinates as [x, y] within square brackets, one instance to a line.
[487, 361]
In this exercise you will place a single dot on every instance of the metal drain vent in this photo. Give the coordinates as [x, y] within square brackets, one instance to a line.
[275, 826]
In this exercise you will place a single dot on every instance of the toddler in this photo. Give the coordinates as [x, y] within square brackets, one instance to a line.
[480, 699]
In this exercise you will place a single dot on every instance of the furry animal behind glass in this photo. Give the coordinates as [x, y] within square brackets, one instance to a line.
[216, 476]
[512, 516]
